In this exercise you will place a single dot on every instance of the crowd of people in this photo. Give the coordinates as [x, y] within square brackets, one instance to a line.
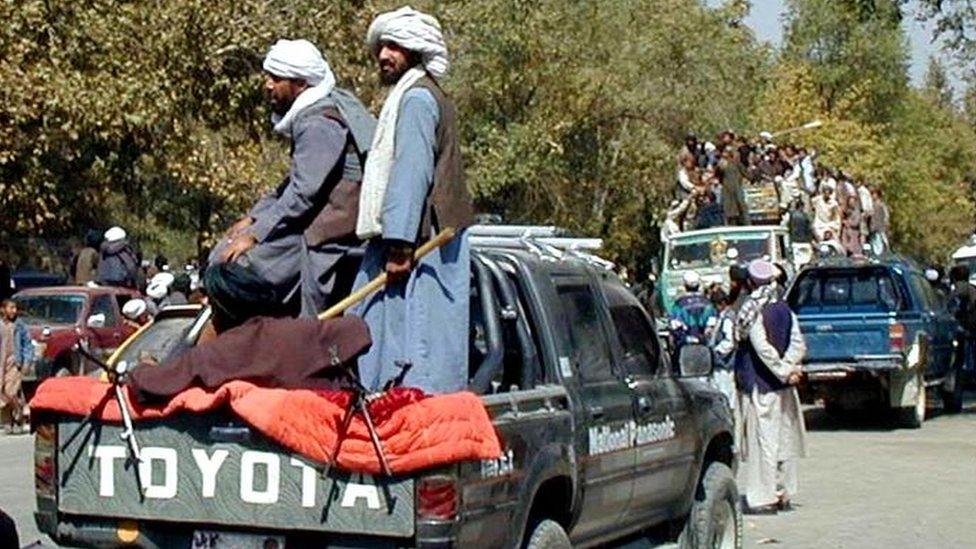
[109, 259]
[821, 206]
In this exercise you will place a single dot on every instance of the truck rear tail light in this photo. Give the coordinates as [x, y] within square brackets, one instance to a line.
[44, 447]
[896, 336]
[437, 498]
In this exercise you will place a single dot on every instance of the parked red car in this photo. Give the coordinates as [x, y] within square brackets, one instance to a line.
[58, 317]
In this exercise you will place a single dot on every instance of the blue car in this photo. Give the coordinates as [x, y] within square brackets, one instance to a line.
[877, 333]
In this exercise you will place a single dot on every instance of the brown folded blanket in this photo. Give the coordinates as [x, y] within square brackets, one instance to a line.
[288, 353]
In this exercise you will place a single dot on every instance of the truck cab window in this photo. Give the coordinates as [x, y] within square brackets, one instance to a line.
[587, 337]
[634, 331]
[103, 305]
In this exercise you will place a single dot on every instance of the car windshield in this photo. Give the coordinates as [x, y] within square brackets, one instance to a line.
[50, 309]
[714, 251]
[158, 340]
[849, 290]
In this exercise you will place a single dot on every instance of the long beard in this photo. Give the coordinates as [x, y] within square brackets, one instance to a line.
[391, 78]
[280, 107]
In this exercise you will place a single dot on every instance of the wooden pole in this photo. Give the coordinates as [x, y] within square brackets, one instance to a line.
[439, 240]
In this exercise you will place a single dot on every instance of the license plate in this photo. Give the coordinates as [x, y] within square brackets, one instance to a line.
[207, 539]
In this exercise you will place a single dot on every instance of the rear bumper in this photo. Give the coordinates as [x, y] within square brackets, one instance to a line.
[98, 532]
[873, 363]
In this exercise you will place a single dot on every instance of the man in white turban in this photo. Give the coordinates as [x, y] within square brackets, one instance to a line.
[414, 187]
[298, 236]
[768, 368]
[117, 263]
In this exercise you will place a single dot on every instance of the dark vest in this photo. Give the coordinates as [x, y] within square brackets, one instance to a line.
[750, 370]
[449, 203]
[336, 223]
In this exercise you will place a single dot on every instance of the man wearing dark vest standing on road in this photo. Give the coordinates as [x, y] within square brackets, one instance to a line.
[413, 187]
[767, 369]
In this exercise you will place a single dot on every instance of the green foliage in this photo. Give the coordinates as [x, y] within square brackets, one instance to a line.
[152, 115]
[923, 157]
[937, 86]
[847, 44]
[572, 112]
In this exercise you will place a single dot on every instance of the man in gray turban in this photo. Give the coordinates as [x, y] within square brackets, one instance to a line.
[413, 187]
[297, 237]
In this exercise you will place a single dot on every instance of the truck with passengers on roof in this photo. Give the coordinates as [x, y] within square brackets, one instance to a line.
[601, 436]
[710, 253]
[878, 334]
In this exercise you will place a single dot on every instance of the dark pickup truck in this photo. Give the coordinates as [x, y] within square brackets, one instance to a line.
[601, 439]
[877, 333]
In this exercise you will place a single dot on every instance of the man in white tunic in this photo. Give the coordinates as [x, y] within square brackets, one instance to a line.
[767, 371]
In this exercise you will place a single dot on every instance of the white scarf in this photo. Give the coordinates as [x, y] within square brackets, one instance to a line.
[376, 175]
[283, 124]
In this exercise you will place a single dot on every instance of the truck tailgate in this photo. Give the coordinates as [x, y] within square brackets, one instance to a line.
[843, 338]
[242, 480]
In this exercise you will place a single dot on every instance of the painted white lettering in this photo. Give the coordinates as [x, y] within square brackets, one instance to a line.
[209, 466]
[249, 462]
[308, 482]
[355, 491]
[166, 490]
[106, 456]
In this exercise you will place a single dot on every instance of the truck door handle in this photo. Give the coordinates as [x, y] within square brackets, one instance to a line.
[597, 411]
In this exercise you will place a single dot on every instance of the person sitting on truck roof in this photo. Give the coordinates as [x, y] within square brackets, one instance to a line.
[826, 212]
[413, 188]
[768, 367]
[295, 237]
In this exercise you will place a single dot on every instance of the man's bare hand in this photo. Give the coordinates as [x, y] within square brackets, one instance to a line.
[238, 246]
[239, 226]
[399, 263]
[794, 378]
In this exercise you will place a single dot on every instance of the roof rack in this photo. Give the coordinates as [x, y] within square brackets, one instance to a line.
[518, 231]
[550, 243]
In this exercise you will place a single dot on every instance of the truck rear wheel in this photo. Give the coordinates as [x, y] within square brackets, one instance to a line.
[548, 534]
[715, 521]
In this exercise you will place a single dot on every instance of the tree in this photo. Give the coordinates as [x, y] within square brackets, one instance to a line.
[937, 86]
[850, 44]
[969, 100]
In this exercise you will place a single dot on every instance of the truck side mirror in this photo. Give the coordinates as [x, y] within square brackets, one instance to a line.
[695, 360]
[96, 321]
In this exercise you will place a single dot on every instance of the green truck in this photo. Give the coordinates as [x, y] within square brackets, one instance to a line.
[710, 252]
[601, 439]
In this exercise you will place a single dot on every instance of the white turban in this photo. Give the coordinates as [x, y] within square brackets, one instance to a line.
[300, 60]
[159, 285]
[134, 308]
[115, 234]
[415, 31]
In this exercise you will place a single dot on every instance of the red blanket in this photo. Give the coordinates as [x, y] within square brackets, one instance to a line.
[417, 431]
